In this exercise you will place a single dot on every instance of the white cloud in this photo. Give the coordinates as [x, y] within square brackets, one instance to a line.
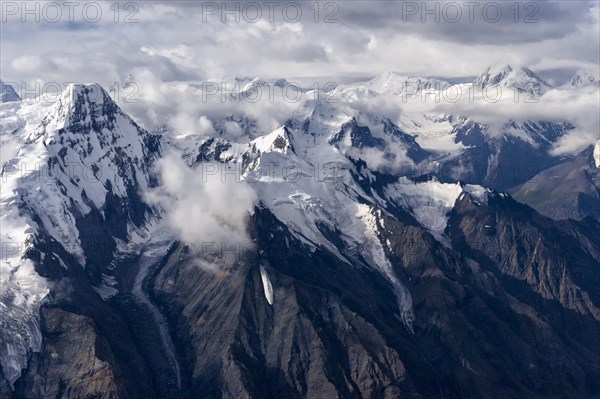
[393, 159]
[175, 33]
[579, 107]
[185, 123]
[205, 126]
[206, 210]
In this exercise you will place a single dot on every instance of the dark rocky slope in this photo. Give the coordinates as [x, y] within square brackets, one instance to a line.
[334, 329]
[570, 190]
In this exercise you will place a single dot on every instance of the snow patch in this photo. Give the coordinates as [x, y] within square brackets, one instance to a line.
[479, 194]
[277, 141]
[429, 202]
[107, 289]
[267, 285]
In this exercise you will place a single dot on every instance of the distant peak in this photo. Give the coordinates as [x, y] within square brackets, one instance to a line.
[392, 76]
[396, 84]
[494, 74]
[277, 141]
[584, 78]
[8, 93]
[500, 68]
[505, 75]
[250, 85]
[281, 83]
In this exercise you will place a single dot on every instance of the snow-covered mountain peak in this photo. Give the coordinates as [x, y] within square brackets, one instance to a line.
[88, 103]
[256, 89]
[597, 154]
[77, 157]
[8, 93]
[319, 119]
[256, 82]
[281, 83]
[517, 78]
[584, 79]
[497, 71]
[276, 141]
[355, 93]
[93, 92]
[396, 84]
[247, 85]
[82, 109]
[88, 149]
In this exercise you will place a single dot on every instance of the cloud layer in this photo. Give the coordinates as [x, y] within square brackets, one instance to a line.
[207, 211]
[169, 49]
[183, 41]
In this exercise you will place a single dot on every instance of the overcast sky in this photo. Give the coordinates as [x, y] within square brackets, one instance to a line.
[184, 42]
[188, 40]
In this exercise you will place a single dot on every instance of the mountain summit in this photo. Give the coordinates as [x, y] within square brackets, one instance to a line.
[516, 78]
[583, 79]
[396, 84]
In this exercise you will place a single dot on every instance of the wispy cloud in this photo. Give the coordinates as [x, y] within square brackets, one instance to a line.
[205, 210]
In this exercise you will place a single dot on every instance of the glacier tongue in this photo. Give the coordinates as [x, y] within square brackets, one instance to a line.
[375, 252]
[22, 291]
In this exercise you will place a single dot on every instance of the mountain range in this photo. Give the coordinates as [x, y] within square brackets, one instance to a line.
[348, 253]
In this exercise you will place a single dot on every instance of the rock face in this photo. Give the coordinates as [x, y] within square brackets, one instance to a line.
[507, 160]
[570, 190]
[75, 362]
[554, 259]
[334, 330]
[311, 342]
